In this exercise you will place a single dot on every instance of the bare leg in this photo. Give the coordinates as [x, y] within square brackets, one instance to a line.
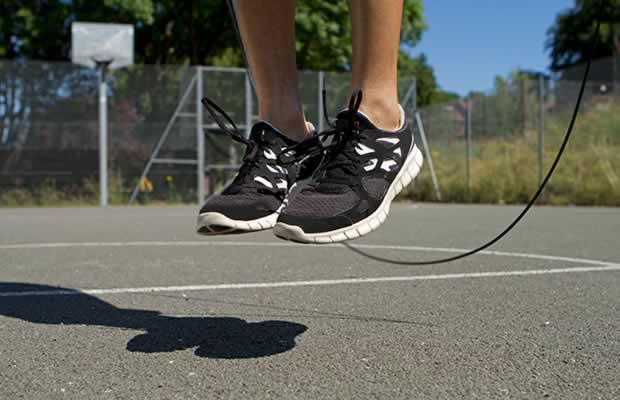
[268, 34]
[376, 35]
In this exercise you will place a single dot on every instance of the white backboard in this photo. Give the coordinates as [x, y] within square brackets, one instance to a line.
[93, 42]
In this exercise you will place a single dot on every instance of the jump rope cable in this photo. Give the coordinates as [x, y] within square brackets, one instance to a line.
[593, 43]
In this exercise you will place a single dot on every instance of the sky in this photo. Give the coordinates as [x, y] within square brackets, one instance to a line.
[469, 42]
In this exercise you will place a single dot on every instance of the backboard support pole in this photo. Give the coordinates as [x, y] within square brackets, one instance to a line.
[200, 140]
[103, 47]
[103, 134]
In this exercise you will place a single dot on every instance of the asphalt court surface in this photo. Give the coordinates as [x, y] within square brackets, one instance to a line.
[129, 303]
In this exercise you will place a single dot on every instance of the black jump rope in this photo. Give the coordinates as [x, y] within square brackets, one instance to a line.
[529, 204]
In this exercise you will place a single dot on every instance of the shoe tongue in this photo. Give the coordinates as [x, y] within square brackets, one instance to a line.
[337, 183]
[363, 119]
[263, 131]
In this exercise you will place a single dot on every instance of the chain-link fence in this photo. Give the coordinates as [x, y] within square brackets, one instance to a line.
[496, 146]
[160, 140]
[491, 147]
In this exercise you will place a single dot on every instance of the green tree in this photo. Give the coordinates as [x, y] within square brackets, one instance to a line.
[323, 32]
[197, 32]
[41, 29]
[569, 38]
[427, 88]
[182, 32]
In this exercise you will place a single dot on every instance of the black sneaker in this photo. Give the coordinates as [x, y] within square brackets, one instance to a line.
[364, 169]
[253, 200]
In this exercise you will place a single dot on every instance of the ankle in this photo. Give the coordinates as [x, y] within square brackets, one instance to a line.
[292, 127]
[383, 114]
[288, 120]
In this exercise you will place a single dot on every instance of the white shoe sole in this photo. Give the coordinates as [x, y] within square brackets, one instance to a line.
[214, 223]
[410, 170]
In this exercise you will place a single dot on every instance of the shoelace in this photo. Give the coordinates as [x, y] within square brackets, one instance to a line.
[253, 157]
[340, 161]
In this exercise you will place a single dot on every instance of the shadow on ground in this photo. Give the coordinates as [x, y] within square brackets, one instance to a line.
[213, 337]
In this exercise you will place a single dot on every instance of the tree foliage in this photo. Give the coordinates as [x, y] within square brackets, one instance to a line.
[178, 32]
[167, 31]
[427, 88]
[37, 99]
[569, 39]
[199, 32]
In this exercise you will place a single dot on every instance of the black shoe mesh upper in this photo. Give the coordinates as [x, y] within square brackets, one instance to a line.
[252, 204]
[316, 204]
[376, 187]
[262, 182]
[361, 163]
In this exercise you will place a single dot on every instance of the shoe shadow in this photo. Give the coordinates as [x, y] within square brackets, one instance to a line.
[212, 337]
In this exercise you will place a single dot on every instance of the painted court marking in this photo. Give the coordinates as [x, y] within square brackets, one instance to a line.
[325, 282]
[594, 266]
[18, 246]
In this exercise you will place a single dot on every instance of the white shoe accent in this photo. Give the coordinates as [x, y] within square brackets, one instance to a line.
[326, 141]
[372, 165]
[398, 151]
[285, 202]
[389, 140]
[264, 181]
[213, 219]
[362, 149]
[409, 171]
[403, 118]
[387, 165]
[270, 154]
[276, 170]
[282, 184]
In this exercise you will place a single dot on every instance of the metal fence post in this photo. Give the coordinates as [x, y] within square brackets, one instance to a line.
[468, 145]
[200, 140]
[103, 137]
[541, 128]
[319, 111]
[414, 95]
[522, 104]
[427, 151]
[248, 103]
[409, 96]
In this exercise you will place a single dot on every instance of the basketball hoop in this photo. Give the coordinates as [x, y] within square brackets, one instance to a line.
[94, 44]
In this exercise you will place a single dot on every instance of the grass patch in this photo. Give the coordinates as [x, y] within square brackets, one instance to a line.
[505, 171]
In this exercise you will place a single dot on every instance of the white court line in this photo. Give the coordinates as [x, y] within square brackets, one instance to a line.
[205, 243]
[325, 282]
